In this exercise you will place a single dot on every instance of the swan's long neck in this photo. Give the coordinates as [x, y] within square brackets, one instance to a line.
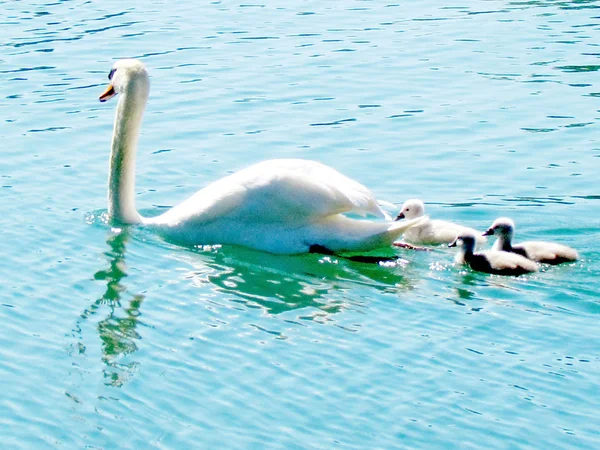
[121, 178]
[505, 241]
[467, 253]
[468, 250]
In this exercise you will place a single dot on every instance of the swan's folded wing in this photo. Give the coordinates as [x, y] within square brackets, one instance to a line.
[306, 189]
[295, 191]
[544, 251]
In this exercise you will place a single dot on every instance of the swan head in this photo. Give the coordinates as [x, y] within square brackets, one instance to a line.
[411, 209]
[127, 75]
[466, 241]
[502, 227]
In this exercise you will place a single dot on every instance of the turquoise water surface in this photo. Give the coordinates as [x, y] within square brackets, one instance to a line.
[113, 338]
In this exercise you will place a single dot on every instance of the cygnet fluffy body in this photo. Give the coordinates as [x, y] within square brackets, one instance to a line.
[491, 261]
[540, 251]
[432, 232]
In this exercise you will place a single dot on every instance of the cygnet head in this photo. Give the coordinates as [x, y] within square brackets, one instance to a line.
[411, 209]
[502, 227]
[466, 241]
[127, 76]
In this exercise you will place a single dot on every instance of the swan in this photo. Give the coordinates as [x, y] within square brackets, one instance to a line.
[432, 232]
[539, 251]
[283, 206]
[492, 261]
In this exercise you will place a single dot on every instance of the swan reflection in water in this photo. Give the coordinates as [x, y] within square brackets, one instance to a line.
[280, 284]
[316, 285]
[117, 331]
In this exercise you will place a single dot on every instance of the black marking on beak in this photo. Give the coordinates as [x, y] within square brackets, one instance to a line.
[399, 216]
[107, 94]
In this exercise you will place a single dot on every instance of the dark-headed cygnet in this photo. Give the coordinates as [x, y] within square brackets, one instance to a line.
[432, 232]
[491, 261]
[540, 251]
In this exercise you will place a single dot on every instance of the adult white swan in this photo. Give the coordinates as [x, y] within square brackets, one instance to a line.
[283, 206]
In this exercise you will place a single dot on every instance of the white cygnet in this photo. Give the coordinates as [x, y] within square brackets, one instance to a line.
[491, 261]
[432, 232]
[543, 252]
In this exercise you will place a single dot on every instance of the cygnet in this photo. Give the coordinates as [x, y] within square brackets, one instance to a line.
[491, 261]
[432, 232]
[540, 251]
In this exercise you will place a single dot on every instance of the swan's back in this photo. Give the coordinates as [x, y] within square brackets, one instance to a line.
[546, 252]
[276, 191]
[436, 232]
[501, 263]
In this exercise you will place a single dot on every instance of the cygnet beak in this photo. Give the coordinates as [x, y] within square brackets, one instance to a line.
[399, 216]
[489, 232]
[108, 93]
[453, 243]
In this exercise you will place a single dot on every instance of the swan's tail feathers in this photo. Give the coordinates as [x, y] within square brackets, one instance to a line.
[343, 234]
[396, 229]
[387, 236]
[388, 209]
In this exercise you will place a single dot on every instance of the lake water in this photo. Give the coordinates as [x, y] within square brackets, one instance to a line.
[115, 339]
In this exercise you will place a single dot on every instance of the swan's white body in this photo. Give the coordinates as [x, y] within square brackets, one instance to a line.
[432, 232]
[492, 261]
[280, 206]
[539, 251]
